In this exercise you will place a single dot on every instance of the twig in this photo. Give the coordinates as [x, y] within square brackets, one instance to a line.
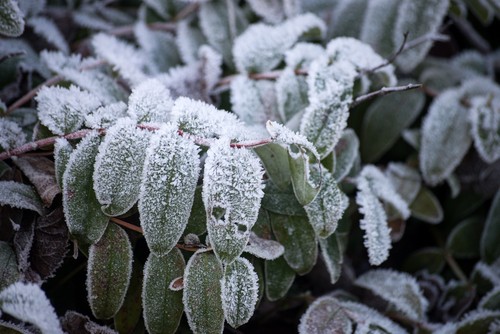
[381, 92]
[450, 260]
[186, 11]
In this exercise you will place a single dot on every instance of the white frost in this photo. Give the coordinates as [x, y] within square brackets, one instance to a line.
[484, 118]
[150, 102]
[106, 116]
[11, 135]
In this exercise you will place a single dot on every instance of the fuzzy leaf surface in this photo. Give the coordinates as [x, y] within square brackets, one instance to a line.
[8, 266]
[325, 315]
[11, 134]
[346, 153]
[150, 102]
[19, 195]
[279, 278]
[227, 240]
[484, 119]
[264, 248]
[11, 19]
[62, 153]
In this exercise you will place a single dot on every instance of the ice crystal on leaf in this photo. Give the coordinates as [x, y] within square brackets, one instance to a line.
[262, 47]
[150, 102]
[11, 135]
[19, 195]
[189, 38]
[291, 95]
[302, 55]
[106, 116]
[11, 19]
[168, 185]
[227, 240]
[264, 248]
[62, 152]
[282, 134]
[28, 302]
[325, 315]
[63, 110]
[47, 29]
[118, 167]
[271, 11]
[484, 117]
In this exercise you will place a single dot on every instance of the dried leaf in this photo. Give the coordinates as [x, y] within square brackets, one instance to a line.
[325, 315]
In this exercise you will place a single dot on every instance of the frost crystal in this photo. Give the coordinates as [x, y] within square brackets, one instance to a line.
[405, 180]
[48, 30]
[62, 152]
[189, 39]
[282, 134]
[11, 135]
[271, 11]
[484, 117]
[232, 182]
[167, 189]
[28, 302]
[261, 47]
[346, 153]
[291, 95]
[264, 248]
[325, 315]
[227, 240]
[302, 55]
[106, 116]
[19, 195]
[63, 110]
[150, 102]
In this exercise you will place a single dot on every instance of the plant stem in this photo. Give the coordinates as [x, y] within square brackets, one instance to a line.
[381, 92]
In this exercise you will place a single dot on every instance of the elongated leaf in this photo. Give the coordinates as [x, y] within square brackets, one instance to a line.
[491, 301]
[291, 93]
[485, 127]
[464, 240]
[167, 190]
[227, 240]
[426, 207]
[239, 292]
[85, 220]
[299, 240]
[346, 153]
[129, 315]
[11, 19]
[19, 195]
[62, 152]
[47, 29]
[478, 321]
[28, 302]
[370, 319]
[118, 167]
[332, 252]
[445, 137]
[202, 293]
[379, 20]
[305, 190]
[264, 248]
[274, 157]
[344, 14]
[108, 272]
[8, 266]
[162, 307]
[405, 180]
[279, 278]
[325, 315]
[490, 248]
[197, 223]
[281, 202]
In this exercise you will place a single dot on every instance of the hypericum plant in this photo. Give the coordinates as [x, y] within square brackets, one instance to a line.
[190, 216]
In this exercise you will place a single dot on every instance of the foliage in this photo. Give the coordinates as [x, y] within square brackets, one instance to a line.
[262, 165]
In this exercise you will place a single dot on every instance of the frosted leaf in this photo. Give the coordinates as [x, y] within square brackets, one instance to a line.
[330, 96]
[327, 208]
[332, 253]
[202, 293]
[445, 137]
[62, 152]
[491, 231]
[167, 190]
[254, 101]
[130, 62]
[162, 310]
[118, 167]
[491, 273]
[490, 300]
[346, 153]
[291, 94]
[19, 195]
[418, 18]
[232, 182]
[271, 11]
[282, 134]
[49, 31]
[264, 248]
[210, 67]
[85, 220]
[302, 55]
[477, 321]
[274, 158]
[344, 14]
[239, 292]
[165, 9]
[29, 61]
[109, 270]
[479, 86]
[189, 38]
[11, 19]
[63, 110]
[88, 19]
[228, 240]
[11, 135]
[366, 316]
[405, 180]
[9, 268]
[279, 278]
[261, 47]
[106, 116]
[400, 289]
[484, 118]
[150, 102]
[77, 70]
[471, 64]
[325, 315]
[29, 303]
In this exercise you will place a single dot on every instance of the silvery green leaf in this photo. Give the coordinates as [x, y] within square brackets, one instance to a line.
[28, 302]
[165, 9]
[11, 135]
[419, 18]
[232, 182]
[478, 321]
[327, 208]
[343, 16]
[282, 201]
[9, 272]
[19, 195]
[202, 293]
[167, 188]
[445, 137]
[491, 301]
[332, 253]
[261, 47]
[189, 38]
[426, 207]
[412, 137]
[197, 223]
[279, 278]
[163, 307]
[304, 187]
[302, 54]
[264, 248]
[378, 23]
[282, 134]
[405, 179]
[106, 116]
[471, 64]
[11, 19]
[86, 17]
[227, 240]
[484, 118]
[479, 86]
[150, 102]
[291, 94]
[47, 29]
[272, 11]
[108, 272]
[118, 167]
[274, 157]
[399, 289]
[63, 110]
[325, 315]
[239, 292]
[346, 152]
[489, 246]
[62, 152]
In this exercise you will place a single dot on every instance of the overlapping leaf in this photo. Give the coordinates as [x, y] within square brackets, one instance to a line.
[19, 195]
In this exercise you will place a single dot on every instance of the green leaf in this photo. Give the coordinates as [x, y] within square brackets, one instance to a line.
[291, 94]
[108, 272]
[490, 247]
[197, 223]
[11, 19]
[385, 119]
[482, 10]
[118, 167]
[227, 240]
[239, 292]
[478, 321]
[345, 13]
[325, 315]
[129, 315]
[405, 179]
[346, 153]
[332, 253]
[62, 152]
[274, 157]
[429, 258]
[264, 248]
[485, 127]
[85, 220]
[281, 202]
[378, 23]
[298, 238]
[426, 207]
[464, 240]
[279, 278]
[202, 293]
[19, 195]
[304, 188]
[163, 307]
[168, 185]
[491, 301]
[8, 266]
